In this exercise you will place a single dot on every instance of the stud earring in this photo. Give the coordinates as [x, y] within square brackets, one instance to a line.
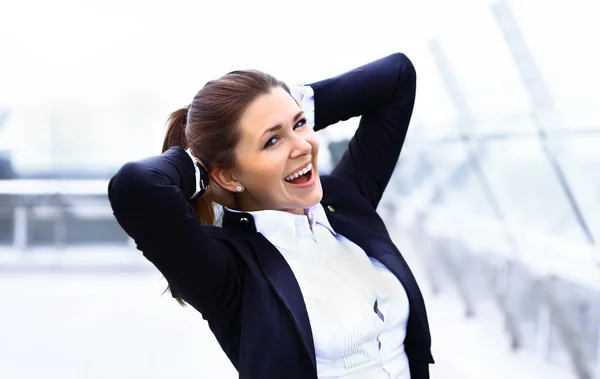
[238, 188]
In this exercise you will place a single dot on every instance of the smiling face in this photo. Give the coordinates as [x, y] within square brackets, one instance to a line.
[276, 145]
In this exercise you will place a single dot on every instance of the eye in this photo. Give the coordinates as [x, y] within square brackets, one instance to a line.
[271, 142]
[300, 124]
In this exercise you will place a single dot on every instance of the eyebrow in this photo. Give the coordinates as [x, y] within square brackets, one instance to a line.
[279, 126]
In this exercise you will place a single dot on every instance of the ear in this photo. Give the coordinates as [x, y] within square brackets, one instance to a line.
[225, 178]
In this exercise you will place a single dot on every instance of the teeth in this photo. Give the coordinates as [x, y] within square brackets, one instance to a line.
[301, 172]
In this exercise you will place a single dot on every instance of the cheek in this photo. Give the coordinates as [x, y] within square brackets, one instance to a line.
[261, 172]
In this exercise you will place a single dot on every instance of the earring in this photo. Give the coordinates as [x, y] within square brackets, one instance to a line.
[238, 188]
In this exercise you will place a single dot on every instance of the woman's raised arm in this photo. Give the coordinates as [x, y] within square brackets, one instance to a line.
[383, 93]
[149, 199]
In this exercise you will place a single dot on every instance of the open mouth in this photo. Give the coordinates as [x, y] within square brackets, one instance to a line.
[303, 176]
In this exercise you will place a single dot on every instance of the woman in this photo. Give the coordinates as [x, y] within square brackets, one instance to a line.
[302, 280]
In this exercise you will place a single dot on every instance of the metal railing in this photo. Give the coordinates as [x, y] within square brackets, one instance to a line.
[59, 224]
[550, 308]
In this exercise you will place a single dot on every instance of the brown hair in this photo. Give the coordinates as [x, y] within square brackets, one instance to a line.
[209, 126]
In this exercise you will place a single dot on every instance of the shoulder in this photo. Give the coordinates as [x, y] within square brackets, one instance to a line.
[345, 205]
[232, 240]
[346, 198]
[332, 183]
[340, 190]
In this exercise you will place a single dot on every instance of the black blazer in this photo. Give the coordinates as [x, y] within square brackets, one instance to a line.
[236, 278]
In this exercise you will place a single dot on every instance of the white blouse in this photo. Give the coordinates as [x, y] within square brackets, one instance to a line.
[357, 308]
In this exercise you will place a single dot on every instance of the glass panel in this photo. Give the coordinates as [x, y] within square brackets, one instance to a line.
[468, 203]
[443, 185]
[528, 189]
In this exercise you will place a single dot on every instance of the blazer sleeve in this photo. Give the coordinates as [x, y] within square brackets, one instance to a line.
[149, 200]
[383, 93]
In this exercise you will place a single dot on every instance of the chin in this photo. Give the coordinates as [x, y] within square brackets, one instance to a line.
[309, 200]
[316, 196]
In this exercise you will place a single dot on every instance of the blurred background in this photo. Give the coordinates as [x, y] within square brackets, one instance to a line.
[495, 201]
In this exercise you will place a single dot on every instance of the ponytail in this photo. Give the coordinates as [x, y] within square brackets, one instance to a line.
[175, 136]
[176, 130]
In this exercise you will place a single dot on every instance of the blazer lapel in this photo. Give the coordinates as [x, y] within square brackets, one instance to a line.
[283, 282]
[278, 273]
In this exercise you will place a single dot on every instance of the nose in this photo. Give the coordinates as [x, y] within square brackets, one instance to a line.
[301, 147]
